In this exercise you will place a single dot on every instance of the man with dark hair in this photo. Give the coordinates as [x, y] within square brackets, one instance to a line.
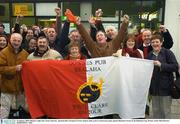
[2, 27]
[43, 51]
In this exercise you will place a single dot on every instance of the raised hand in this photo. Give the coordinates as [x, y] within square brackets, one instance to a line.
[78, 21]
[126, 18]
[70, 16]
[92, 20]
[162, 28]
[18, 18]
[99, 13]
[58, 11]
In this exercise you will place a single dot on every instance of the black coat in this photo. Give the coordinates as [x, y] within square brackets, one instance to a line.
[64, 41]
[162, 77]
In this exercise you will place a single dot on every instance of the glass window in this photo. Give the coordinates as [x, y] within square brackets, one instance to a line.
[50, 22]
[46, 9]
[4, 12]
[151, 14]
[142, 13]
[74, 6]
[47, 22]
[25, 9]
[7, 27]
[113, 15]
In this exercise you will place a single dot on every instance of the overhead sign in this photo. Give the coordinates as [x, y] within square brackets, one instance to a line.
[23, 9]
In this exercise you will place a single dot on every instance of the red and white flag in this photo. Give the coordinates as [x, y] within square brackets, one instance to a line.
[87, 88]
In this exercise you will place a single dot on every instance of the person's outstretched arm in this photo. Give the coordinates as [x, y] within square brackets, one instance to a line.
[168, 40]
[17, 28]
[121, 34]
[58, 21]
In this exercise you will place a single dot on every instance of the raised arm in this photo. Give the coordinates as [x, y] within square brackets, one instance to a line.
[85, 35]
[17, 25]
[96, 24]
[63, 39]
[93, 29]
[121, 34]
[168, 41]
[58, 21]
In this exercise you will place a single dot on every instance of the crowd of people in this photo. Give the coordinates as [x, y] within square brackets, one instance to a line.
[57, 43]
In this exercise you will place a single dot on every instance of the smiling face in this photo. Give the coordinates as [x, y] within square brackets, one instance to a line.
[156, 43]
[74, 51]
[146, 36]
[111, 32]
[42, 44]
[130, 43]
[16, 40]
[29, 34]
[100, 37]
[32, 43]
[3, 42]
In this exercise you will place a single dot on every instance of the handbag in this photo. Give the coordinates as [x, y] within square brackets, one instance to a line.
[175, 88]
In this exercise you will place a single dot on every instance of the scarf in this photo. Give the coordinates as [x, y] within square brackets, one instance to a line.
[132, 52]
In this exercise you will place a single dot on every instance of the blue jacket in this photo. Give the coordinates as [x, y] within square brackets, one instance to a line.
[162, 77]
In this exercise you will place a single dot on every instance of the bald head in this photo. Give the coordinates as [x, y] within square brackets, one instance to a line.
[16, 40]
[16, 35]
[146, 36]
[111, 31]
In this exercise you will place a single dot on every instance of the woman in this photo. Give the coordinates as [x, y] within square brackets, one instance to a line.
[3, 42]
[32, 44]
[74, 52]
[165, 64]
[129, 49]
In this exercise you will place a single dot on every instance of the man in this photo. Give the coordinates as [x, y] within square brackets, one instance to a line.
[43, 51]
[146, 46]
[52, 33]
[74, 36]
[2, 32]
[102, 48]
[111, 31]
[146, 38]
[96, 25]
[11, 59]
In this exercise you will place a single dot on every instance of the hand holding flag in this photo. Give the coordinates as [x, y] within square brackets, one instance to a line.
[70, 16]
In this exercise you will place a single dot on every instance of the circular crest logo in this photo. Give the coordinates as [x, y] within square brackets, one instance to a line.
[90, 91]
